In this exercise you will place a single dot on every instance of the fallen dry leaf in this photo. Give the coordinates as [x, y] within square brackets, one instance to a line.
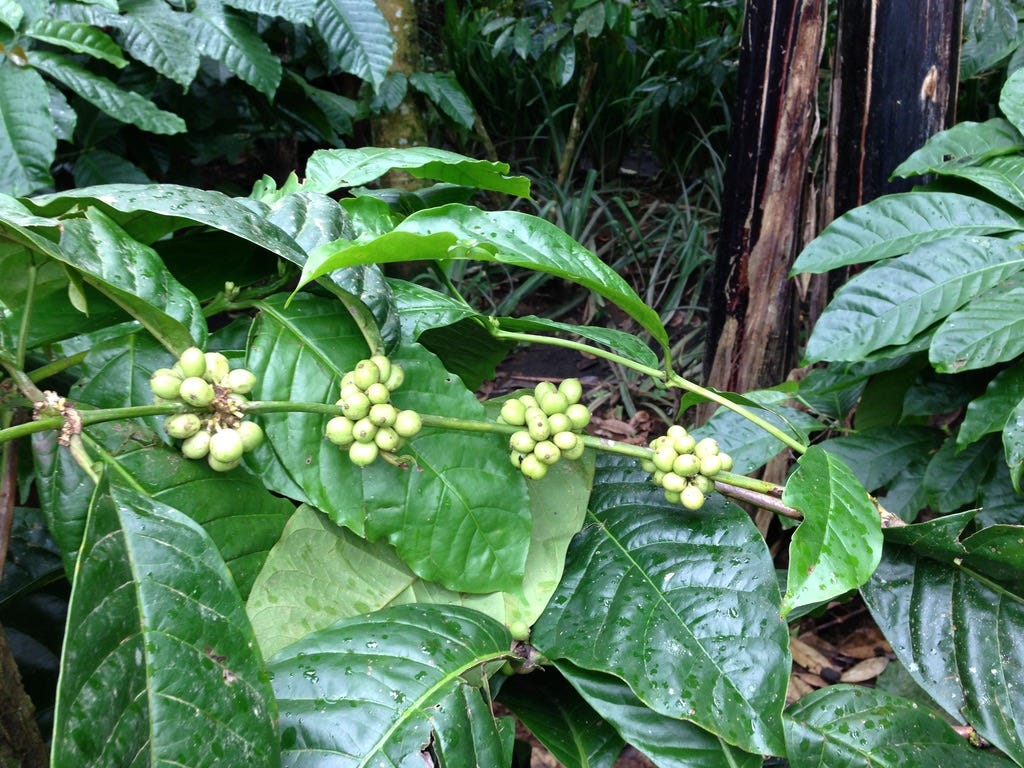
[868, 669]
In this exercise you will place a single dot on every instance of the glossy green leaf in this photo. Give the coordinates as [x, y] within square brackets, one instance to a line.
[890, 303]
[957, 629]
[843, 726]
[11, 13]
[954, 476]
[233, 40]
[750, 446]
[357, 37]
[905, 495]
[331, 169]
[316, 558]
[33, 558]
[78, 38]
[1013, 444]
[125, 106]
[669, 741]
[621, 343]
[134, 277]
[296, 11]
[1011, 99]
[1002, 176]
[990, 412]
[576, 735]
[876, 456]
[1000, 502]
[27, 140]
[469, 529]
[964, 143]
[64, 494]
[988, 330]
[991, 33]
[391, 687]
[443, 89]
[174, 207]
[634, 603]
[156, 35]
[513, 238]
[98, 166]
[839, 542]
[161, 638]
[423, 308]
[896, 224]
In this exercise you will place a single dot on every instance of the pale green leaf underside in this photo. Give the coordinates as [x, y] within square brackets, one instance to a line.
[964, 143]
[986, 331]
[27, 139]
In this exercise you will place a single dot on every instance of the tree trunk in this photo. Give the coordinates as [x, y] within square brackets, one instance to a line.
[750, 333]
[21, 745]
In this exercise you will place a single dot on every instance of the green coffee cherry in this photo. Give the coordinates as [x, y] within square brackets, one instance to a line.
[383, 414]
[513, 412]
[684, 444]
[378, 394]
[692, 497]
[704, 484]
[532, 467]
[222, 466]
[706, 447]
[710, 465]
[240, 381]
[664, 458]
[547, 452]
[226, 446]
[394, 381]
[193, 362]
[579, 415]
[537, 424]
[339, 431]
[182, 425]
[521, 442]
[572, 390]
[363, 454]
[197, 446]
[251, 434]
[672, 497]
[574, 453]
[559, 422]
[165, 383]
[726, 461]
[383, 365]
[408, 423]
[387, 439]
[519, 630]
[356, 406]
[686, 465]
[565, 441]
[197, 392]
[544, 388]
[365, 374]
[217, 367]
[364, 431]
[554, 402]
[673, 482]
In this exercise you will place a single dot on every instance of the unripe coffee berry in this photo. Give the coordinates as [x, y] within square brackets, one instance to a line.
[684, 444]
[532, 467]
[217, 367]
[195, 391]
[542, 389]
[513, 412]
[576, 451]
[559, 422]
[706, 447]
[226, 446]
[578, 414]
[193, 362]
[686, 465]
[565, 441]
[726, 461]
[664, 458]
[521, 442]
[364, 431]
[571, 389]
[704, 484]
[222, 466]
[240, 381]
[251, 434]
[553, 402]
[383, 365]
[362, 454]
[692, 497]
[547, 452]
[673, 482]
[165, 383]
[356, 406]
[383, 414]
[339, 431]
[182, 425]
[378, 393]
[365, 374]
[397, 377]
[710, 466]
[408, 423]
[197, 446]
[387, 439]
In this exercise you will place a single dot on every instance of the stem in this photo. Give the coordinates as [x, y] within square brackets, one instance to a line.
[51, 369]
[30, 290]
[654, 373]
[22, 381]
[763, 500]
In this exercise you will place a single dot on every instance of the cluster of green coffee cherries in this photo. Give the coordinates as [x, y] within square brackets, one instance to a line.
[553, 420]
[216, 430]
[685, 467]
[370, 425]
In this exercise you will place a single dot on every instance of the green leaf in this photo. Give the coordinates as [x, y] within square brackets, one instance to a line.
[963, 643]
[838, 545]
[964, 143]
[295, 11]
[896, 224]
[518, 239]
[329, 170]
[877, 455]
[954, 476]
[750, 446]
[634, 603]
[391, 687]
[576, 735]
[990, 412]
[1011, 100]
[125, 106]
[1000, 503]
[315, 558]
[422, 308]
[162, 641]
[988, 330]
[1002, 176]
[469, 529]
[33, 558]
[98, 166]
[11, 14]
[890, 303]
[1013, 444]
[174, 207]
[358, 39]
[79, 38]
[843, 726]
[64, 494]
[135, 277]
[669, 741]
[232, 40]
[443, 89]
[990, 32]
[156, 35]
[27, 140]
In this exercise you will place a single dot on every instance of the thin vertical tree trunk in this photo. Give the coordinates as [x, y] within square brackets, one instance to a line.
[750, 334]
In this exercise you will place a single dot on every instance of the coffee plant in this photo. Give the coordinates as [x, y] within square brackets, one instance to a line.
[272, 594]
